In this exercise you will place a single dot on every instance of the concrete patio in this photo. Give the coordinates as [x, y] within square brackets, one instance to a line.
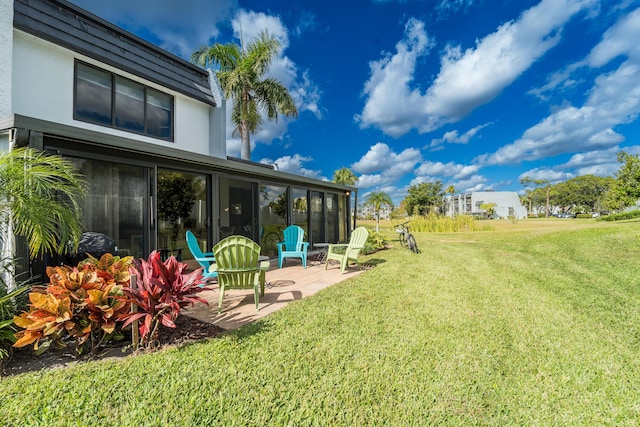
[290, 283]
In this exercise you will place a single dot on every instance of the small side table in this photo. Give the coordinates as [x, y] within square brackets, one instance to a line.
[322, 248]
[263, 263]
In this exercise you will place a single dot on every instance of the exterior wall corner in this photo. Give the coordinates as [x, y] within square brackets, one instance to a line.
[6, 57]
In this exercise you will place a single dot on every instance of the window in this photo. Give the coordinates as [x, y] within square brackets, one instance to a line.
[107, 99]
[129, 103]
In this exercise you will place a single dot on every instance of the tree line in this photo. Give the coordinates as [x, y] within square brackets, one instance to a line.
[586, 193]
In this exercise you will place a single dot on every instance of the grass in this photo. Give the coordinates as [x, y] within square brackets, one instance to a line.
[535, 324]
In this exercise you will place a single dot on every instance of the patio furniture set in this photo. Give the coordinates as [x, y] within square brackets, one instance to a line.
[236, 262]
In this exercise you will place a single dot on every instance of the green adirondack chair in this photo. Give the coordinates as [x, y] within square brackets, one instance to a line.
[343, 253]
[238, 266]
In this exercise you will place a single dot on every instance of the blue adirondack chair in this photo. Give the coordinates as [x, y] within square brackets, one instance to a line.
[205, 259]
[293, 245]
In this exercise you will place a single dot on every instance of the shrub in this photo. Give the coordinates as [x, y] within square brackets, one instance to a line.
[7, 329]
[621, 216]
[435, 223]
[81, 303]
[374, 243]
[163, 290]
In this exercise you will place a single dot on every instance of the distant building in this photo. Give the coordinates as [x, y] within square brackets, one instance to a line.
[368, 211]
[507, 204]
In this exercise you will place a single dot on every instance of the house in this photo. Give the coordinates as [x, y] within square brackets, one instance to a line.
[147, 130]
[506, 204]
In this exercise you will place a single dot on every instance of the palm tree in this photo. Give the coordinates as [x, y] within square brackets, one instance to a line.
[40, 198]
[377, 199]
[241, 75]
[344, 176]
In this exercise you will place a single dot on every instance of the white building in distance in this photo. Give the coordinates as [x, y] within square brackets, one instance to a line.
[507, 204]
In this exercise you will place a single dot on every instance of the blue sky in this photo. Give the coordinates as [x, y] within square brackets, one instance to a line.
[474, 93]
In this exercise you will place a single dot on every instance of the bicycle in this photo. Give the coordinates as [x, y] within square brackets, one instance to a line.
[406, 238]
[271, 240]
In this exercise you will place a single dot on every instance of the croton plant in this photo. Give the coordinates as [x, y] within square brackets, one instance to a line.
[91, 303]
[163, 289]
[81, 302]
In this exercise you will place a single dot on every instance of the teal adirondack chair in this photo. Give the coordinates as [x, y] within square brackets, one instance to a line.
[293, 245]
[205, 259]
[343, 253]
[238, 266]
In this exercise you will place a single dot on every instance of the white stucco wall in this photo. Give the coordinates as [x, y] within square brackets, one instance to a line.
[503, 201]
[6, 57]
[43, 88]
[469, 204]
[217, 120]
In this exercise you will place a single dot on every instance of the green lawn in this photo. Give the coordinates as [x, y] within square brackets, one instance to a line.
[534, 323]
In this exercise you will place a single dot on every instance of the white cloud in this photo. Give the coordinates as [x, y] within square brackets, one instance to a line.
[381, 158]
[556, 82]
[443, 7]
[468, 185]
[456, 171]
[371, 181]
[464, 178]
[599, 162]
[551, 175]
[391, 166]
[295, 164]
[248, 24]
[391, 104]
[474, 183]
[233, 145]
[467, 79]
[591, 158]
[453, 137]
[621, 39]
[614, 100]
[446, 7]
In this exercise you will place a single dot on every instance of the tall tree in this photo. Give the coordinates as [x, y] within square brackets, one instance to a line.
[625, 190]
[344, 176]
[529, 182]
[241, 73]
[424, 197]
[585, 192]
[377, 200]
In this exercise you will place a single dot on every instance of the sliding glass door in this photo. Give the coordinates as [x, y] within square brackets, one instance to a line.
[316, 206]
[182, 200]
[238, 208]
[117, 203]
[333, 226]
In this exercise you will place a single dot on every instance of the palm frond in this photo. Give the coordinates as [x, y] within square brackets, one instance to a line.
[42, 195]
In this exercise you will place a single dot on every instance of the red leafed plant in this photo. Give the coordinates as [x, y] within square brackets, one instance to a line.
[163, 290]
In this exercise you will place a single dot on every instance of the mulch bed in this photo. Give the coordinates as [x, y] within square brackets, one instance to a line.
[187, 330]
